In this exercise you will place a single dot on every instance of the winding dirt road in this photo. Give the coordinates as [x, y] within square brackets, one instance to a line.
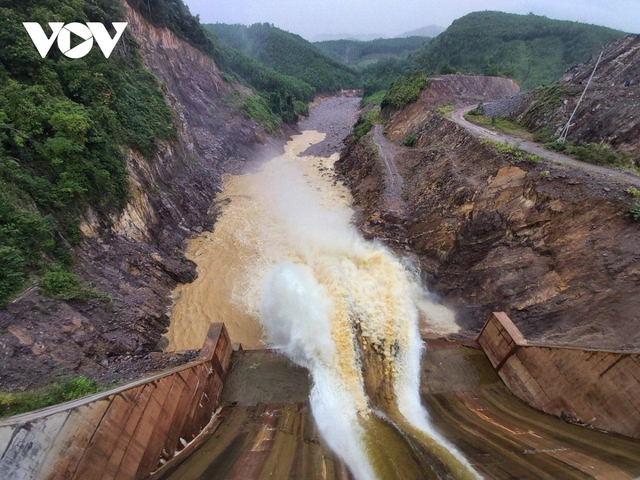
[477, 131]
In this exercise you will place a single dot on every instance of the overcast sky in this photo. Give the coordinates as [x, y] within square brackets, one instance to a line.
[310, 18]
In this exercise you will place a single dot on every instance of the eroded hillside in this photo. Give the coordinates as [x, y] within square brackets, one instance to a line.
[554, 248]
[134, 259]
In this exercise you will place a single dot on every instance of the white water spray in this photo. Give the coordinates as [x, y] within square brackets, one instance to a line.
[329, 297]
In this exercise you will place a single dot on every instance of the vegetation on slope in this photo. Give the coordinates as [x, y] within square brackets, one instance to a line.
[71, 389]
[532, 49]
[360, 54]
[288, 54]
[405, 91]
[63, 124]
[278, 92]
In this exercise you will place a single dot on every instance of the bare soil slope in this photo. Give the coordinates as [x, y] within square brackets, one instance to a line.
[557, 251]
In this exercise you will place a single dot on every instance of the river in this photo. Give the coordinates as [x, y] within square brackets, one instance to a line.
[286, 268]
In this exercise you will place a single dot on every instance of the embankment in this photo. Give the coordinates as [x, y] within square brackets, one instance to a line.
[556, 250]
[128, 432]
[588, 387]
[609, 114]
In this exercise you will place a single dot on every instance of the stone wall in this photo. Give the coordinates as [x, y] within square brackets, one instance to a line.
[585, 386]
[126, 433]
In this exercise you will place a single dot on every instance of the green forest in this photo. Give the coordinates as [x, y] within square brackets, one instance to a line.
[360, 54]
[287, 54]
[532, 49]
[63, 124]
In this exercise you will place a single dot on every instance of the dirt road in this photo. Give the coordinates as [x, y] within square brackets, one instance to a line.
[458, 117]
[388, 151]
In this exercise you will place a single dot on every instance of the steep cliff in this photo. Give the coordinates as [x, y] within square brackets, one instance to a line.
[552, 247]
[135, 259]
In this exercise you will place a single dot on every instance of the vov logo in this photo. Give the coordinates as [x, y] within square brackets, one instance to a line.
[89, 32]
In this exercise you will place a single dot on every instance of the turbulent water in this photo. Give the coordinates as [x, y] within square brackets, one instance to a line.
[285, 252]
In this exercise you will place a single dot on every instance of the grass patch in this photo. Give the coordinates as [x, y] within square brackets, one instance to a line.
[22, 402]
[444, 109]
[500, 125]
[512, 152]
[592, 153]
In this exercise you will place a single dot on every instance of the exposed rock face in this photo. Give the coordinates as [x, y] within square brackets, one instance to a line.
[137, 258]
[610, 111]
[557, 253]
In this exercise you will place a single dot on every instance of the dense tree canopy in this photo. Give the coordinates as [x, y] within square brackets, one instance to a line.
[532, 49]
[361, 54]
[62, 127]
[288, 54]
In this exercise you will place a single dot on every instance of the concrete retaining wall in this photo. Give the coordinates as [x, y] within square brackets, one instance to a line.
[598, 388]
[126, 433]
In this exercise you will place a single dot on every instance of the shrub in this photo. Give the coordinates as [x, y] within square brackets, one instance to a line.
[544, 174]
[410, 141]
[447, 69]
[61, 285]
[479, 110]
[361, 128]
[257, 108]
[634, 192]
[634, 209]
[405, 91]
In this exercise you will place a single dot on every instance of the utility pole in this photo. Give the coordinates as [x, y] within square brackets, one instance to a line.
[565, 130]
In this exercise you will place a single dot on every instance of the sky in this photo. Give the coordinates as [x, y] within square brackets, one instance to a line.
[311, 18]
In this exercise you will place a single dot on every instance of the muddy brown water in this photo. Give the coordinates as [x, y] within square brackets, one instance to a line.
[235, 256]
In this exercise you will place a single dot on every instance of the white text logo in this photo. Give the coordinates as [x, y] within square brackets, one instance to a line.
[89, 32]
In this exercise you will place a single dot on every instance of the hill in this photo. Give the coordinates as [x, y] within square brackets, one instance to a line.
[428, 31]
[287, 54]
[326, 37]
[281, 94]
[357, 53]
[606, 127]
[533, 50]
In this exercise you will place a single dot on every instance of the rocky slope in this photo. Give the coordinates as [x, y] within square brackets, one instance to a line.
[555, 250]
[136, 260]
[610, 111]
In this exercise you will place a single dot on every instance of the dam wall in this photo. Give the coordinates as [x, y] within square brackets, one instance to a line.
[125, 433]
[596, 388]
